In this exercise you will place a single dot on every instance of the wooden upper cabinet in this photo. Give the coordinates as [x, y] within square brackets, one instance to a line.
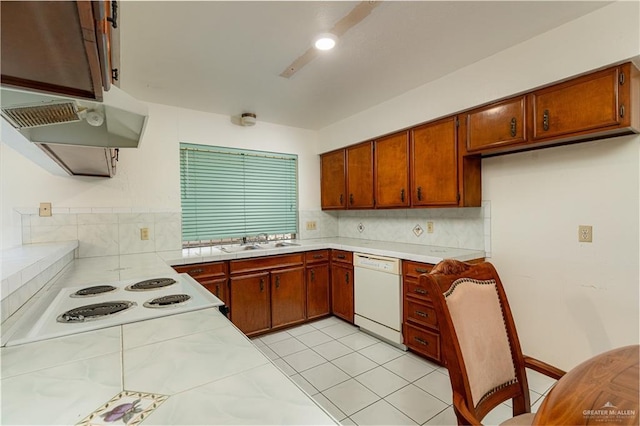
[500, 124]
[392, 171]
[434, 164]
[333, 183]
[360, 176]
[58, 47]
[594, 102]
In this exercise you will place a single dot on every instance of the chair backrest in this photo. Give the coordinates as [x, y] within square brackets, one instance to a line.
[478, 337]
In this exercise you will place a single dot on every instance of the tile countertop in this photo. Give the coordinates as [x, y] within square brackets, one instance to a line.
[179, 363]
[415, 252]
[196, 367]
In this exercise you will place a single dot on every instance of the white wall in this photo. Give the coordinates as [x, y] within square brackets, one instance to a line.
[570, 300]
[148, 178]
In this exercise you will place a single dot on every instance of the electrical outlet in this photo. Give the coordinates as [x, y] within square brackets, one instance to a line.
[312, 225]
[45, 209]
[144, 233]
[585, 233]
[429, 227]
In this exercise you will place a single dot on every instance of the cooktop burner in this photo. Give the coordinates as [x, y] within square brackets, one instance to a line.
[165, 301]
[151, 284]
[95, 311]
[93, 291]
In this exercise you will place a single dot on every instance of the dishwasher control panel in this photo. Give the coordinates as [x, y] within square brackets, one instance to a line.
[378, 263]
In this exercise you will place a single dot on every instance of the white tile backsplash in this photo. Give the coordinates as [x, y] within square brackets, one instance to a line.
[105, 231]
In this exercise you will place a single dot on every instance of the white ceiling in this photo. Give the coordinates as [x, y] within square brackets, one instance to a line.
[226, 56]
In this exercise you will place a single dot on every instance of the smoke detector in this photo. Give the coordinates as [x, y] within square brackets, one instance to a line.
[248, 119]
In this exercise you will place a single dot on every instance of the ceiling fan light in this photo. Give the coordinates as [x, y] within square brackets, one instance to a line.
[325, 41]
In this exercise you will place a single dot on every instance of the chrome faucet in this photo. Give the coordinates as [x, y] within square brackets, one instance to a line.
[265, 236]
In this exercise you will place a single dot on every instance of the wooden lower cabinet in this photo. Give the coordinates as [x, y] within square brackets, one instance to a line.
[420, 325]
[213, 276]
[250, 303]
[342, 284]
[288, 297]
[318, 291]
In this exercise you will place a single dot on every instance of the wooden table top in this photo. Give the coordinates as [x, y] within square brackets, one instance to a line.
[602, 390]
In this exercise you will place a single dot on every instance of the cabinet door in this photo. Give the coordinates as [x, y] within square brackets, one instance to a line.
[496, 125]
[218, 287]
[288, 297]
[580, 105]
[318, 295]
[360, 176]
[250, 309]
[434, 164]
[392, 170]
[333, 182]
[342, 291]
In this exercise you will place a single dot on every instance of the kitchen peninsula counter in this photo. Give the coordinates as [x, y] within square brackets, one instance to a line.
[196, 367]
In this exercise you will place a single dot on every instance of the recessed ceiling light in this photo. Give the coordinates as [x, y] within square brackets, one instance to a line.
[325, 41]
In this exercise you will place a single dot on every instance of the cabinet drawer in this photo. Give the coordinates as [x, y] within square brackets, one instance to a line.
[316, 256]
[203, 269]
[412, 288]
[415, 269]
[342, 256]
[422, 341]
[266, 262]
[420, 313]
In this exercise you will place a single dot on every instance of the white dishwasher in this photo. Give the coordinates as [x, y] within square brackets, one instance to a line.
[377, 296]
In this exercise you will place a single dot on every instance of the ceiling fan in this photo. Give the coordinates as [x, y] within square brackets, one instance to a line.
[351, 19]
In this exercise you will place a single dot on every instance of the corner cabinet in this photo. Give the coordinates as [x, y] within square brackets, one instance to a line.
[212, 276]
[333, 182]
[342, 284]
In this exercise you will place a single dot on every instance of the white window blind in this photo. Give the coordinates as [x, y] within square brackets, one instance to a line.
[233, 193]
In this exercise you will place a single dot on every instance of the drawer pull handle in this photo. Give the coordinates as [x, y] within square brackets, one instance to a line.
[341, 199]
[217, 289]
[621, 111]
[545, 119]
[341, 256]
[420, 291]
[419, 193]
[346, 278]
[261, 284]
[313, 275]
[350, 199]
[422, 314]
[402, 195]
[277, 281]
[421, 341]
[514, 126]
[318, 256]
[421, 270]
[196, 271]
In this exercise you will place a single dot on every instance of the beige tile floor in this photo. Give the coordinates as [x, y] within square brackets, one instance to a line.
[364, 381]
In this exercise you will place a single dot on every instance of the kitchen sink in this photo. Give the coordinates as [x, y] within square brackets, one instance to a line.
[235, 248]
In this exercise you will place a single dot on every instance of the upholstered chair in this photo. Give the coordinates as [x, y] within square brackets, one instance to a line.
[480, 343]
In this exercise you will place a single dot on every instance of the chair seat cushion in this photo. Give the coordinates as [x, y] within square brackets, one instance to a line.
[525, 419]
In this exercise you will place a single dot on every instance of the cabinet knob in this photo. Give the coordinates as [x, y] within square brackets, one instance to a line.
[621, 111]
[514, 126]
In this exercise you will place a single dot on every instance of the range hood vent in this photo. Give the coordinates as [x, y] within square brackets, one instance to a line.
[80, 136]
[24, 117]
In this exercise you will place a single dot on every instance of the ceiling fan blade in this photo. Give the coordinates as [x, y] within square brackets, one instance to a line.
[351, 19]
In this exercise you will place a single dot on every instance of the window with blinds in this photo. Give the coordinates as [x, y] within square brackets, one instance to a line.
[232, 193]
